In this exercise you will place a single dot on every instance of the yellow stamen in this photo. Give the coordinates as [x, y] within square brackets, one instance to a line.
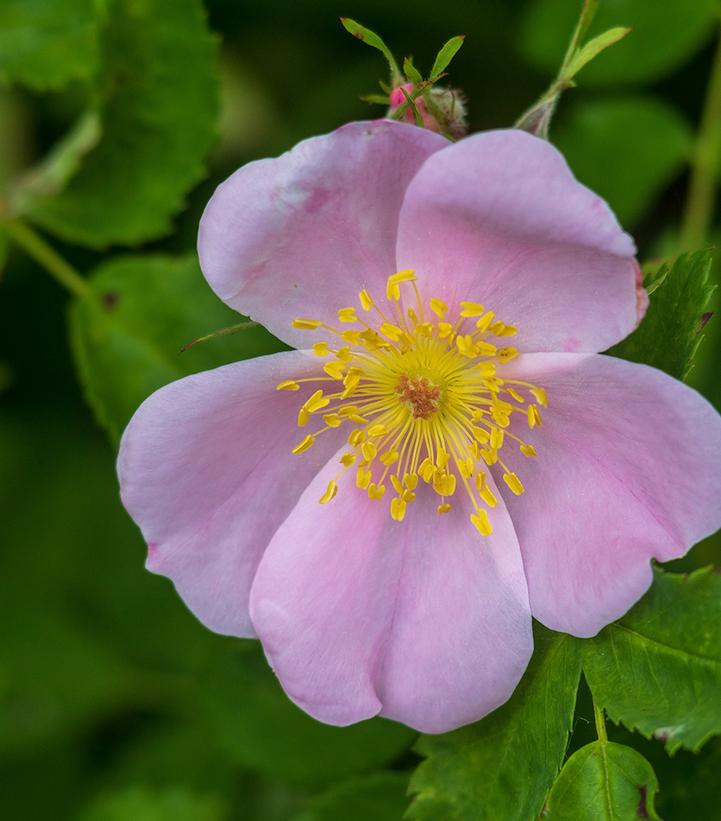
[306, 324]
[330, 493]
[304, 443]
[423, 401]
[287, 385]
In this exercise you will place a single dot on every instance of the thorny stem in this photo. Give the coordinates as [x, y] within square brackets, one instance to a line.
[46, 256]
[600, 724]
[698, 213]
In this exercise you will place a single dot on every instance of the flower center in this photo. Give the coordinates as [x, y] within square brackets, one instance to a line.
[425, 399]
[421, 395]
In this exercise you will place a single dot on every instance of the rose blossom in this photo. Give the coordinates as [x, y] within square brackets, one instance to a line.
[454, 504]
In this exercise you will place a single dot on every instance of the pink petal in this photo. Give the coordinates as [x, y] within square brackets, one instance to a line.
[628, 469]
[422, 621]
[206, 471]
[301, 235]
[498, 218]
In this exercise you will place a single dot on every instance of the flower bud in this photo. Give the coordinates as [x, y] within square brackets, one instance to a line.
[442, 110]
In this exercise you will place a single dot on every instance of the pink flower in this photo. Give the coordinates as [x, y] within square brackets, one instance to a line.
[382, 600]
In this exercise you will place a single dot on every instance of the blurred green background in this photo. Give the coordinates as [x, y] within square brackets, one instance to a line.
[114, 703]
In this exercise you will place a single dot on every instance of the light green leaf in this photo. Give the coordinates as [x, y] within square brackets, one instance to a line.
[447, 52]
[592, 49]
[46, 44]
[127, 337]
[146, 804]
[627, 149]
[603, 782]
[377, 797]
[369, 37]
[411, 72]
[376, 99]
[62, 163]
[658, 669]
[672, 329]
[261, 729]
[664, 36]
[503, 766]
[158, 106]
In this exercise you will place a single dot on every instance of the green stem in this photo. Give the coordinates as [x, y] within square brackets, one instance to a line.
[46, 256]
[698, 215]
[600, 724]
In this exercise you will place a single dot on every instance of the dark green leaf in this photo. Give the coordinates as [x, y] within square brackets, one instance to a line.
[658, 669]
[664, 35]
[672, 329]
[372, 39]
[690, 784]
[377, 797]
[503, 766]
[261, 729]
[446, 54]
[127, 337]
[158, 107]
[626, 149]
[4, 248]
[46, 44]
[145, 804]
[603, 782]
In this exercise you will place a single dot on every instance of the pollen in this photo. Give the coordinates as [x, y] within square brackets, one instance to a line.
[419, 387]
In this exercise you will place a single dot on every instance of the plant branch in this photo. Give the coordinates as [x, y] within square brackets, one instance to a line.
[46, 256]
[698, 214]
[600, 723]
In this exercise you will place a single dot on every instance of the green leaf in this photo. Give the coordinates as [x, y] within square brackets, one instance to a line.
[145, 804]
[592, 49]
[45, 45]
[411, 72]
[664, 36]
[127, 337]
[447, 52]
[158, 107]
[672, 329]
[658, 669]
[376, 99]
[503, 766]
[377, 797]
[62, 163]
[372, 39]
[603, 782]
[262, 730]
[627, 149]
